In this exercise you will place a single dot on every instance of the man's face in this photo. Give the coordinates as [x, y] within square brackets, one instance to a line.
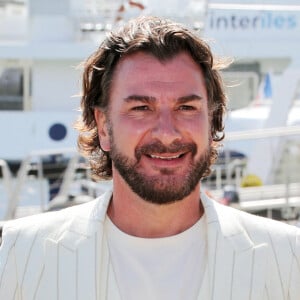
[158, 126]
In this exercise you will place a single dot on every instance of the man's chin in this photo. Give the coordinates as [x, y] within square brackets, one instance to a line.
[164, 190]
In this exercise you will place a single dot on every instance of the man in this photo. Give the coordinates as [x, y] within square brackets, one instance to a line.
[152, 118]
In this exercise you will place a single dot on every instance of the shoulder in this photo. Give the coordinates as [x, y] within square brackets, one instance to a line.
[273, 227]
[249, 221]
[43, 220]
[280, 236]
[54, 222]
[258, 229]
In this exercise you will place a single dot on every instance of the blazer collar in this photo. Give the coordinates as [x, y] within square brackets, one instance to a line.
[77, 260]
[223, 221]
[236, 266]
[86, 220]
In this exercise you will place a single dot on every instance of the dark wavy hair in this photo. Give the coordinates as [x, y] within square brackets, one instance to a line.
[163, 39]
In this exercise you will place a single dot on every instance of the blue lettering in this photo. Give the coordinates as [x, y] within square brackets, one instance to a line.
[291, 22]
[244, 22]
[279, 22]
[267, 20]
[263, 20]
[222, 20]
[233, 22]
[256, 20]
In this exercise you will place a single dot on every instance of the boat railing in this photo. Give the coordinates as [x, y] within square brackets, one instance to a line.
[6, 175]
[34, 161]
[283, 194]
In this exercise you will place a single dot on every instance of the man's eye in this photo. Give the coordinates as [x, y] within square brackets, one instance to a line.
[186, 107]
[141, 107]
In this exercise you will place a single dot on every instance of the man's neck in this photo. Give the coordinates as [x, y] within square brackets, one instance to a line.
[140, 218]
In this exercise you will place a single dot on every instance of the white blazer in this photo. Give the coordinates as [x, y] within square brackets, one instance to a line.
[64, 255]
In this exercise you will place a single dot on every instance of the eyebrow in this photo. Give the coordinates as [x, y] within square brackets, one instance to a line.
[151, 99]
[142, 98]
[188, 98]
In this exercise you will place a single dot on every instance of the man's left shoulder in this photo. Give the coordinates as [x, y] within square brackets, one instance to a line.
[275, 231]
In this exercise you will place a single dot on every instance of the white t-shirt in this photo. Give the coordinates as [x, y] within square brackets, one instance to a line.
[158, 268]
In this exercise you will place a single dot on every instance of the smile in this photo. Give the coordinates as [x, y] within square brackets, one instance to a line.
[166, 157]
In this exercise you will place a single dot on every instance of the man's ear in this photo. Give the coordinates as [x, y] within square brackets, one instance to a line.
[103, 132]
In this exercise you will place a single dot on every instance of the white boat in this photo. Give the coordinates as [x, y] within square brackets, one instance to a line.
[42, 43]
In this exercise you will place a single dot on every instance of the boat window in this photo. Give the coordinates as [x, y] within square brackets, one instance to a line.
[11, 88]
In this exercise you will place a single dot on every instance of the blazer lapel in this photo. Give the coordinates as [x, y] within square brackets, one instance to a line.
[76, 261]
[236, 267]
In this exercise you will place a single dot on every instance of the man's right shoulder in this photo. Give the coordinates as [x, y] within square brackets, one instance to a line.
[47, 223]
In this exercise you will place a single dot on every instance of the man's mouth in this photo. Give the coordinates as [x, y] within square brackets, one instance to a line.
[166, 157]
[173, 153]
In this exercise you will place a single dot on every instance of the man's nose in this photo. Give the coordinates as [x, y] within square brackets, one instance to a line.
[166, 128]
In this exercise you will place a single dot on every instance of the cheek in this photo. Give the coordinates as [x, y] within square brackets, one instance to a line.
[199, 127]
[201, 135]
[128, 133]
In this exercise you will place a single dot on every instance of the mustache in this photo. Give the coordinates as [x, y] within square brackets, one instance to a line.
[159, 148]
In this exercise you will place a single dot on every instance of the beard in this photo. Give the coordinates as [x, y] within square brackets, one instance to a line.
[165, 187]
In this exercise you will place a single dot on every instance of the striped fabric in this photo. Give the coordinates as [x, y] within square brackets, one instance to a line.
[64, 255]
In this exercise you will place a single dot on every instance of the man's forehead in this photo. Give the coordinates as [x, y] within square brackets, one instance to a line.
[144, 60]
[143, 74]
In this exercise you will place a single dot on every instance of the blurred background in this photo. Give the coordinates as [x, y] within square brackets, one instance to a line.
[42, 44]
